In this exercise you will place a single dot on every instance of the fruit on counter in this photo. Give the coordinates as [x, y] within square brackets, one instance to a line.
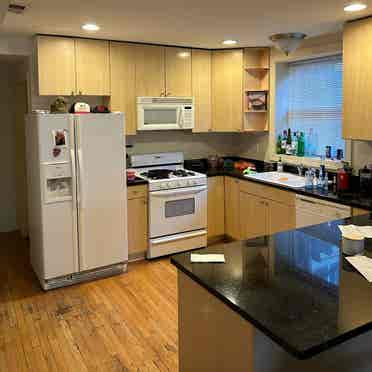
[241, 165]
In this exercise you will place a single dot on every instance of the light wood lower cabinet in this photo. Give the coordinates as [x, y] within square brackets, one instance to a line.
[253, 212]
[232, 224]
[137, 221]
[216, 208]
[282, 217]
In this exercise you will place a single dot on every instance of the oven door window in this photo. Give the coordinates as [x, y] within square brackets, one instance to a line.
[181, 207]
[160, 116]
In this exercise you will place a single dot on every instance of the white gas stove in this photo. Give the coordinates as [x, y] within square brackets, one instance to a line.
[177, 203]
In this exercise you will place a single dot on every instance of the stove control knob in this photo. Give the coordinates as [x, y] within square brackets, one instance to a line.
[163, 186]
[169, 184]
[192, 182]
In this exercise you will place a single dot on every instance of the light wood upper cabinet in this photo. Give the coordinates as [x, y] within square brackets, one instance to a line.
[56, 65]
[216, 207]
[357, 80]
[232, 224]
[202, 89]
[123, 83]
[227, 90]
[178, 72]
[137, 221]
[150, 71]
[92, 67]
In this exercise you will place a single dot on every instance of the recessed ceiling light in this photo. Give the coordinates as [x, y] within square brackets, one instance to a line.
[229, 42]
[354, 6]
[90, 27]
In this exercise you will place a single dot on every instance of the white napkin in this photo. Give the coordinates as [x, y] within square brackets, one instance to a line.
[363, 264]
[347, 230]
[207, 257]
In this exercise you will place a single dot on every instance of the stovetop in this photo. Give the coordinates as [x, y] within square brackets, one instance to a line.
[162, 174]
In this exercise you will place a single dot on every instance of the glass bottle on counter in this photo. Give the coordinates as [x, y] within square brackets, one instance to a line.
[295, 143]
[279, 144]
[289, 143]
[284, 142]
[301, 144]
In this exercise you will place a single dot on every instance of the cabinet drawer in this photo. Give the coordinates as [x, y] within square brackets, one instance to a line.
[137, 191]
[267, 192]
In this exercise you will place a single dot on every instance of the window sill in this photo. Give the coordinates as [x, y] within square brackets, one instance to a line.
[308, 162]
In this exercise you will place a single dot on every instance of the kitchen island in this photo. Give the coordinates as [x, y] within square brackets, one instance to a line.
[284, 302]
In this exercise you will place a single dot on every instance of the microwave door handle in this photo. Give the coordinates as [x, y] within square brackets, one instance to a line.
[180, 117]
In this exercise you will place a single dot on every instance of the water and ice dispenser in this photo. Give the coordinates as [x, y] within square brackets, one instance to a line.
[57, 182]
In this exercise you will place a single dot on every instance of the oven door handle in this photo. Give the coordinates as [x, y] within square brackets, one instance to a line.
[178, 192]
[167, 239]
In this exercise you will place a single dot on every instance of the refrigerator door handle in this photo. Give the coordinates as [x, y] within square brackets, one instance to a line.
[81, 193]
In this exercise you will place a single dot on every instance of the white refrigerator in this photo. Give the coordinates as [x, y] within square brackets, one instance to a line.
[77, 196]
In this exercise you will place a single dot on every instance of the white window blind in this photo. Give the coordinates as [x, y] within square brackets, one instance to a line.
[315, 102]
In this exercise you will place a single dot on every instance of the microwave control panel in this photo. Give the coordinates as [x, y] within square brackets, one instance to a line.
[188, 116]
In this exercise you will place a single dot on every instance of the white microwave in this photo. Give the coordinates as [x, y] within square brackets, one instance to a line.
[165, 113]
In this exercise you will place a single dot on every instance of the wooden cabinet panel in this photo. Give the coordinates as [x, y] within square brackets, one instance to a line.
[357, 80]
[267, 192]
[227, 90]
[232, 226]
[253, 216]
[123, 83]
[216, 207]
[150, 71]
[178, 72]
[137, 222]
[202, 89]
[56, 65]
[92, 67]
[359, 212]
[282, 217]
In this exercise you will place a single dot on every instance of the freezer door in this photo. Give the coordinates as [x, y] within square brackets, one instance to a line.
[101, 190]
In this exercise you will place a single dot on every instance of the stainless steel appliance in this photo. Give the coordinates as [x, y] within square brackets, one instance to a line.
[165, 113]
[177, 203]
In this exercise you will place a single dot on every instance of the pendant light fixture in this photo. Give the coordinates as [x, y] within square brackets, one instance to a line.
[288, 42]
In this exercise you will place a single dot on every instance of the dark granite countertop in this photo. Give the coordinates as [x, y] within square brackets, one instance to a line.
[352, 200]
[137, 181]
[296, 286]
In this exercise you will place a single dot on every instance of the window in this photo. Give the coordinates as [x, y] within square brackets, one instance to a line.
[309, 100]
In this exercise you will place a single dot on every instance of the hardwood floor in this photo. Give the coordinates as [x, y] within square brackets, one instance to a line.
[123, 323]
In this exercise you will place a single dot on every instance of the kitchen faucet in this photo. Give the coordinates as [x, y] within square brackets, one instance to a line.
[300, 168]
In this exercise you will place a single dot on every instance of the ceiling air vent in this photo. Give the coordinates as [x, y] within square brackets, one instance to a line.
[16, 8]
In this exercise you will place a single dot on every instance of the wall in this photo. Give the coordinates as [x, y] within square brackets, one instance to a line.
[193, 145]
[7, 148]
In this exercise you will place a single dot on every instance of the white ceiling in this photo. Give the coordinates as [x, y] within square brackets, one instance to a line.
[199, 23]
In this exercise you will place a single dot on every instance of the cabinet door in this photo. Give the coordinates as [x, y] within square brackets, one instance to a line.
[56, 66]
[227, 90]
[123, 80]
[178, 72]
[253, 216]
[282, 217]
[137, 227]
[216, 207]
[232, 227]
[357, 80]
[92, 67]
[150, 71]
[202, 89]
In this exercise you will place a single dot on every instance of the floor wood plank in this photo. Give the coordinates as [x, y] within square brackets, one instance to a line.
[121, 324]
